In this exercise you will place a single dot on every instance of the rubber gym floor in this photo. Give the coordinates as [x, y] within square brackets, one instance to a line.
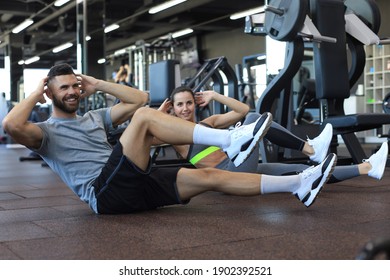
[40, 218]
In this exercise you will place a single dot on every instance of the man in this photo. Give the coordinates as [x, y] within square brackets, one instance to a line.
[120, 179]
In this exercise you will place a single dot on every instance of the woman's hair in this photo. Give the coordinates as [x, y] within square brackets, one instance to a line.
[181, 89]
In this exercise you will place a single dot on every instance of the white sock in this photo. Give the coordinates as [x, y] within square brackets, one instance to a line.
[275, 184]
[211, 136]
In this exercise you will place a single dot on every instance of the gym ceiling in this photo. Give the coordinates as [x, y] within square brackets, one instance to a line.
[54, 26]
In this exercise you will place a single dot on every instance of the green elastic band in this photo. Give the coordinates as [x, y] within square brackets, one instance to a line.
[195, 159]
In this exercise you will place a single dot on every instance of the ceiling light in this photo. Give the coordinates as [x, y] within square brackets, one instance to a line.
[22, 26]
[165, 6]
[120, 52]
[59, 3]
[182, 32]
[62, 47]
[111, 28]
[87, 38]
[31, 60]
[101, 61]
[247, 13]
[21, 62]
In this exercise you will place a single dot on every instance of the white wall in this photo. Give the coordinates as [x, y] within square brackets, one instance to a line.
[5, 83]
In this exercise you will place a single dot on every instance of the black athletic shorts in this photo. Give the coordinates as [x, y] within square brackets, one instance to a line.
[123, 188]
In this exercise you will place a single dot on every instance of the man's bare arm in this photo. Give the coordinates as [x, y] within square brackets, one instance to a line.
[16, 123]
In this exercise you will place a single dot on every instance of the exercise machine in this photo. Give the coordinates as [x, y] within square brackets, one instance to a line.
[247, 86]
[354, 24]
[165, 76]
[288, 22]
[143, 54]
[215, 72]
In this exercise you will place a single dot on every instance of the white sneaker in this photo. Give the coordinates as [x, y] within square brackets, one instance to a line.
[321, 143]
[243, 139]
[314, 178]
[378, 162]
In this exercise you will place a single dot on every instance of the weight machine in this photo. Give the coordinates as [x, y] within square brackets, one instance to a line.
[213, 70]
[164, 78]
[353, 23]
[143, 54]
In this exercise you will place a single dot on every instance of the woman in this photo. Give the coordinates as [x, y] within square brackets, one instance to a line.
[182, 104]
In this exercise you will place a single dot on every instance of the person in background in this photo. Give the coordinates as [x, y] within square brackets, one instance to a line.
[123, 75]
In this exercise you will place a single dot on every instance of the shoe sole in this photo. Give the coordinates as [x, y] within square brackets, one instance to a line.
[242, 156]
[310, 198]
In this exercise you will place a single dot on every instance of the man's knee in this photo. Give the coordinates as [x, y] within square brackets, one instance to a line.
[191, 182]
[196, 175]
[141, 112]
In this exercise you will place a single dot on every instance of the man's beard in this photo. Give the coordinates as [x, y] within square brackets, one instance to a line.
[64, 107]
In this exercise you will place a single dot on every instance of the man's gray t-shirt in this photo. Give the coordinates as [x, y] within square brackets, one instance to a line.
[77, 149]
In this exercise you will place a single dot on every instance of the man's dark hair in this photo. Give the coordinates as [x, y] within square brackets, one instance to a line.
[59, 70]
